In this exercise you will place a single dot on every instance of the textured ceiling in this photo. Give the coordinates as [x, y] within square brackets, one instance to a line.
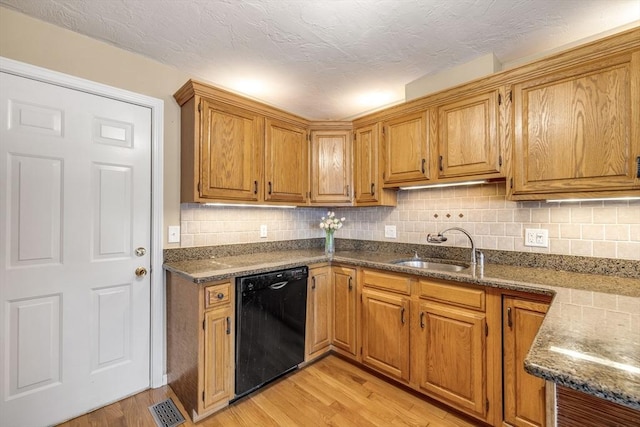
[329, 59]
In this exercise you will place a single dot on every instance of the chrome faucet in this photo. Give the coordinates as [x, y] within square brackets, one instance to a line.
[475, 253]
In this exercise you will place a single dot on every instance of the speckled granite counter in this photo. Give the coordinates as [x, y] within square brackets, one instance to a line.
[589, 340]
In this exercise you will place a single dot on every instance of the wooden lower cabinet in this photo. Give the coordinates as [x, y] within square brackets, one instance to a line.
[319, 313]
[385, 333]
[450, 348]
[344, 298]
[200, 344]
[524, 394]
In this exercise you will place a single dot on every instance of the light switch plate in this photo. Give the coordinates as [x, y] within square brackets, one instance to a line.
[390, 231]
[538, 237]
[263, 231]
[173, 235]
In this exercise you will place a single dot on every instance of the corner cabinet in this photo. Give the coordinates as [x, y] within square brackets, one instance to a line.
[200, 344]
[524, 394]
[576, 131]
[368, 168]
[470, 137]
[331, 167]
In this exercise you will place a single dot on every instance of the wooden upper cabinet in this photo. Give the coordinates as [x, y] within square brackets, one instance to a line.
[230, 152]
[286, 163]
[331, 167]
[469, 137]
[577, 130]
[407, 149]
[368, 166]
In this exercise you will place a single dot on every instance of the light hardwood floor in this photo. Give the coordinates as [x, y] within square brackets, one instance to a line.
[329, 392]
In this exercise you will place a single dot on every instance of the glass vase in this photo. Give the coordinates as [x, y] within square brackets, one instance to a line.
[329, 244]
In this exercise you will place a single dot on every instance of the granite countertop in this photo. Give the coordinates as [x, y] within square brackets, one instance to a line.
[589, 340]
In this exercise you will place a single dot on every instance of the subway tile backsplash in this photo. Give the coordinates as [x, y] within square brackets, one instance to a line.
[608, 229]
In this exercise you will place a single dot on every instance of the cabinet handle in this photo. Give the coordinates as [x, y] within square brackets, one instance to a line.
[638, 167]
[441, 165]
[228, 326]
[423, 163]
[422, 319]
[347, 190]
[373, 188]
[402, 315]
[313, 282]
[509, 319]
[255, 187]
[269, 187]
[350, 285]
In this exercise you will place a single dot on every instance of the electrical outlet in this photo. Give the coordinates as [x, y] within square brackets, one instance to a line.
[390, 231]
[173, 235]
[538, 237]
[263, 231]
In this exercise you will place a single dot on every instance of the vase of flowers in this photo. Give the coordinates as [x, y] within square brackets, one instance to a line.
[330, 224]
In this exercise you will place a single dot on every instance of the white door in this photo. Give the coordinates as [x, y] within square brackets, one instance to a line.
[75, 194]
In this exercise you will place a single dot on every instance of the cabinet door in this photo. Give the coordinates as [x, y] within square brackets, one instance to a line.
[330, 167]
[367, 165]
[524, 394]
[217, 356]
[318, 334]
[407, 149]
[385, 333]
[286, 163]
[344, 309]
[230, 152]
[451, 348]
[577, 130]
[468, 139]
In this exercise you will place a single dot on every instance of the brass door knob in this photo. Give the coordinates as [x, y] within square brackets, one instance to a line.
[141, 271]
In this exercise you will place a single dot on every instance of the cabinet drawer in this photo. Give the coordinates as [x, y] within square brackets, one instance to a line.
[460, 295]
[388, 282]
[216, 295]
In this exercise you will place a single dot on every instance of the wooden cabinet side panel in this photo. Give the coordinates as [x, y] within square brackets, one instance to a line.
[524, 394]
[580, 409]
[189, 152]
[183, 347]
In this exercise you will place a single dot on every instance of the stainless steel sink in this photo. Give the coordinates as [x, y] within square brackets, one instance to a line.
[430, 265]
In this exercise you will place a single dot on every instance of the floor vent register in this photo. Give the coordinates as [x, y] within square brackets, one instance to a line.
[166, 414]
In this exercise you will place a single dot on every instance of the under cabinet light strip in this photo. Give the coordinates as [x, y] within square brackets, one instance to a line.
[244, 205]
[601, 199]
[449, 184]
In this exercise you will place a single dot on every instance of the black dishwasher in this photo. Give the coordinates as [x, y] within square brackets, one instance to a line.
[270, 326]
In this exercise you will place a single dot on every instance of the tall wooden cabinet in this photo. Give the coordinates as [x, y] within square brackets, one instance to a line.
[344, 301]
[319, 313]
[331, 175]
[524, 394]
[576, 130]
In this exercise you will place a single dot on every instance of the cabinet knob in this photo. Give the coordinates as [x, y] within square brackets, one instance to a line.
[220, 295]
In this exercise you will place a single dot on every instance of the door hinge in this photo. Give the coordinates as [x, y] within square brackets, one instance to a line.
[203, 395]
[354, 136]
[500, 160]
[308, 137]
[487, 405]
[200, 107]
[486, 330]
[511, 183]
[360, 351]
[510, 96]
[499, 99]
[204, 322]
[638, 167]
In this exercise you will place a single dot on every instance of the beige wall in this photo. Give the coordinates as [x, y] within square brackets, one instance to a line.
[35, 42]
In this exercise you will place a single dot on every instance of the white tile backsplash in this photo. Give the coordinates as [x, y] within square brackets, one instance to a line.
[594, 229]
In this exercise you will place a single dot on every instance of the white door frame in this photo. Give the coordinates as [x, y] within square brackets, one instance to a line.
[157, 344]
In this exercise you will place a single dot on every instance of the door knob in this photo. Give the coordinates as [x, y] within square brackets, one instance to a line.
[140, 251]
[141, 271]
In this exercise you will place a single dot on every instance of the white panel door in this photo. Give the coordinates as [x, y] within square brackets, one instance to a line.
[75, 198]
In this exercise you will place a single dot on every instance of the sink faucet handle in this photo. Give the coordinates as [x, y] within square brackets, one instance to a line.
[415, 255]
[479, 258]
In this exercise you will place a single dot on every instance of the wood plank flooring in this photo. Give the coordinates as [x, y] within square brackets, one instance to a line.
[329, 392]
